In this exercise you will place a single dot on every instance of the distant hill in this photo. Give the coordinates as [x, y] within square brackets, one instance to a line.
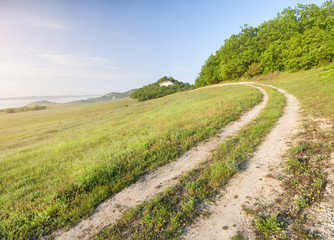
[23, 109]
[164, 86]
[34, 106]
[108, 97]
[40, 103]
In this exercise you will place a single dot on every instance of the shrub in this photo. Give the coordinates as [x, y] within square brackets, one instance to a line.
[302, 202]
[269, 225]
[254, 69]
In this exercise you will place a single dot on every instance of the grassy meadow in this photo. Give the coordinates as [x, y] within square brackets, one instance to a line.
[59, 163]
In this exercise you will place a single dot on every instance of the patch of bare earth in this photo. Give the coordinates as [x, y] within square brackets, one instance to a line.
[227, 216]
[320, 218]
[110, 211]
[320, 215]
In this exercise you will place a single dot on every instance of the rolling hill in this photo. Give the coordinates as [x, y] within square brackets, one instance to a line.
[108, 97]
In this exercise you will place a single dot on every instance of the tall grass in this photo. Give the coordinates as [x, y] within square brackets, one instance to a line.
[58, 164]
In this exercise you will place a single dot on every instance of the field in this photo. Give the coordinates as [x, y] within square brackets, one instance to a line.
[58, 164]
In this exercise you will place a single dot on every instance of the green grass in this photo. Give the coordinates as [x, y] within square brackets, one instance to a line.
[268, 225]
[314, 89]
[168, 213]
[58, 164]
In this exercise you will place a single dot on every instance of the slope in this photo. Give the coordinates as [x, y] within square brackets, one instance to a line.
[57, 165]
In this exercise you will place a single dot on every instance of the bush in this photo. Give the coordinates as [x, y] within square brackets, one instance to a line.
[254, 69]
[266, 226]
[302, 202]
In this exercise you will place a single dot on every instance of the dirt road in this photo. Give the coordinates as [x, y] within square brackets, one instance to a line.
[111, 210]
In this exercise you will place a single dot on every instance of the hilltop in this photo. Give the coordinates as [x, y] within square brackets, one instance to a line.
[163, 87]
[40, 103]
[108, 97]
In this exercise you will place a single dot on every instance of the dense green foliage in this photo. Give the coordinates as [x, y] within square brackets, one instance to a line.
[23, 109]
[154, 90]
[298, 38]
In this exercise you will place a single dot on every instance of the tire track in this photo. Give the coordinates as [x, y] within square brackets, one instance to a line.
[226, 213]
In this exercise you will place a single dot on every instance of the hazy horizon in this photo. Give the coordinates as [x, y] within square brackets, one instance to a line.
[16, 102]
[54, 96]
[60, 47]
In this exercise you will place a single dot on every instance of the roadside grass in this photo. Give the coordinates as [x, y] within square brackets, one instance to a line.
[303, 180]
[314, 89]
[305, 170]
[166, 216]
[58, 164]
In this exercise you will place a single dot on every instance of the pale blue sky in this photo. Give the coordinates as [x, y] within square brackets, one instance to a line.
[75, 47]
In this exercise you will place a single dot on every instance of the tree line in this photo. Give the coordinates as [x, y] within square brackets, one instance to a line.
[23, 109]
[298, 38]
